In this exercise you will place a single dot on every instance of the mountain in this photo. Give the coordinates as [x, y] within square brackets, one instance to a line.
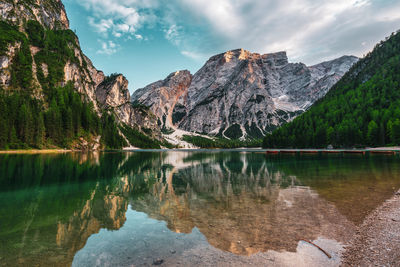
[362, 109]
[51, 94]
[167, 98]
[49, 13]
[239, 94]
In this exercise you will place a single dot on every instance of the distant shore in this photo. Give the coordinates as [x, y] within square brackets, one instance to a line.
[34, 151]
[378, 150]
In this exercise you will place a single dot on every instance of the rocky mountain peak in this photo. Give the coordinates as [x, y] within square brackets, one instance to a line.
[165, 97]
[236, 55]
[239, 54]
[180, 78]
[113, 91]
[113, 94]
[239, 94]
[275, 59]
[340, 64]
[50, 13]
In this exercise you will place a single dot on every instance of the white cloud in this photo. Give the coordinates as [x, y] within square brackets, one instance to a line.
[107, 48]
[224, 15]
[174, 34]
[101, 26]
[139, 36]
[194, 55]
[309, 30]
[115, 17]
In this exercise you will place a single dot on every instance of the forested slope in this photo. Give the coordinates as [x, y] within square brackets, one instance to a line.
[54, 115]
[362, 109]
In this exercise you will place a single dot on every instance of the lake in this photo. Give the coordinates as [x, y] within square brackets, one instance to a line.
[185, 208]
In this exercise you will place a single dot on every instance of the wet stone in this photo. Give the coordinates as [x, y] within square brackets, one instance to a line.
[158, 262]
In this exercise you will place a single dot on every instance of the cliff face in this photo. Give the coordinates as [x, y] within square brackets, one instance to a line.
[76, 68]
[5, 63]
[49, 13]
[85, 77]
[166, 98]
[240, 94]
[113, 94]
[25, 28]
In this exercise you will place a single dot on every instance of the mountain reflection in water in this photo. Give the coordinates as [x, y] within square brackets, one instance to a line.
[242, 203]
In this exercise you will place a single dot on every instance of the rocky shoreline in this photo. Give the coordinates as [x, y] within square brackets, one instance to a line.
[377, 240]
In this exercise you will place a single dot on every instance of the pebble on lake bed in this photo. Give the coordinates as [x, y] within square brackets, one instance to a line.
[158, 262]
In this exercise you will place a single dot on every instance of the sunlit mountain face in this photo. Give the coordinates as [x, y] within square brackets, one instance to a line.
[134, 208]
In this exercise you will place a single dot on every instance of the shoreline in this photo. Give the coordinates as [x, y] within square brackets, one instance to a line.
[36, 151]
[377, 239]
[388, 150]
[377, 150]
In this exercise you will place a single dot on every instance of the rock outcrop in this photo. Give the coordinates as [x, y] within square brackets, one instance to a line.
[5, 63]
[85, 77]
[50, 13]
[165, 98]
[113, 94]
[239, 94]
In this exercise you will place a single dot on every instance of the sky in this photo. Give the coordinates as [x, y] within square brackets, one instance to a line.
[148, 39]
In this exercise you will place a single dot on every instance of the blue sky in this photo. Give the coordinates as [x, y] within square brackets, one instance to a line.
[147, 39]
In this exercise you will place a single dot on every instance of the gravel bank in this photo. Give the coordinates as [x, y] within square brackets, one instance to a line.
[377, 241]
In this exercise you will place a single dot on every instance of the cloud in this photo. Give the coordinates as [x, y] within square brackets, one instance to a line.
[194, 55]
[174, 34]
[223, 15]
[106, 26]
[118, 17]
[309, 30]
[139, 36]
[107, 48]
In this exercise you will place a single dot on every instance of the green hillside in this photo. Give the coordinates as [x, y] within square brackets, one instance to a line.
[362, 109]
[61, 116]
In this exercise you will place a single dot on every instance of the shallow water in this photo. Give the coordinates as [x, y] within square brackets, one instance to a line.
[183, 207]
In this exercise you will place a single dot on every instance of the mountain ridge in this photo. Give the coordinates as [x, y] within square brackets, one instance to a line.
[242, 94]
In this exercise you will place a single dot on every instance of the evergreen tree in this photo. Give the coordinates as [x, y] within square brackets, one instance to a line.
[373, 133]
[3, 132]
[13, 138]
[389, 127]
[395, 133]
[53, 122]
[331, 136]
[68, 125]
[3, 123]
[23, 124]
[40, 131]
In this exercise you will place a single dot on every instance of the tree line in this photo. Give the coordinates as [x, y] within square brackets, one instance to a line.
[204, 142]
[25, 123]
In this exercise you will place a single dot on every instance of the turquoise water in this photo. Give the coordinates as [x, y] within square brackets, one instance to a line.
[169, 207]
